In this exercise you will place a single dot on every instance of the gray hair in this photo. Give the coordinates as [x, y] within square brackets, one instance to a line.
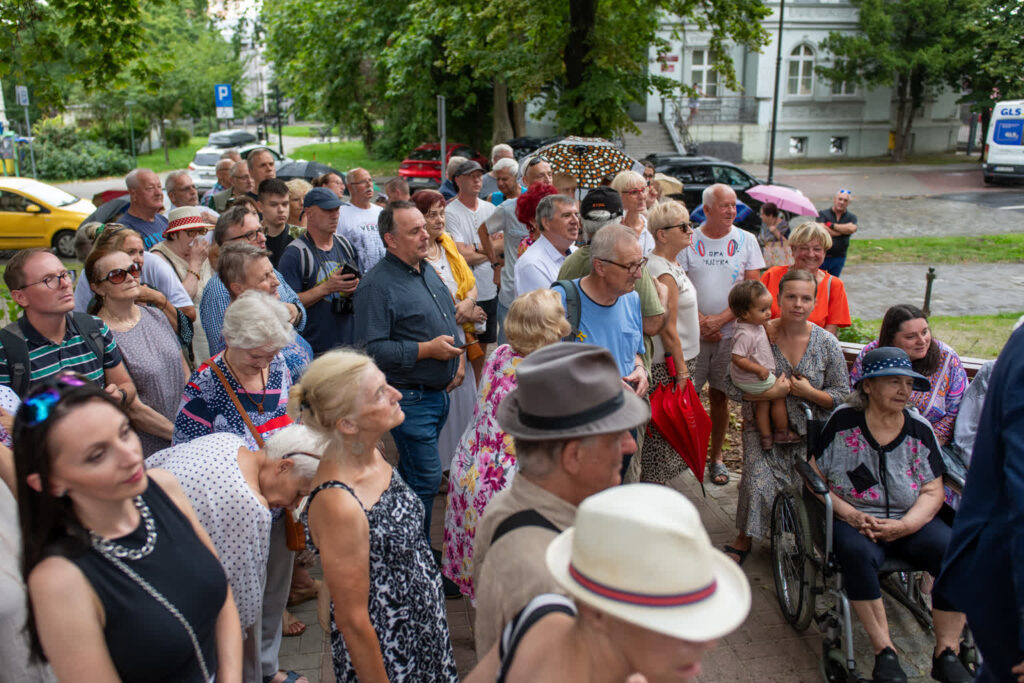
[256, 320]
[224, 164]
[132, 181]
[453, 163]
[301, 445]
[506, 164]
[171, 177]
[547, 207]
[624, 180]
[234, 258]
[255, 154]
[602, 247]
[707, 198]
[537, 458]
[502, 147]
[592, 225]
[238, 165]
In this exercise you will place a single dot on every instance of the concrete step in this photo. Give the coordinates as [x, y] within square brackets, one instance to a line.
[653, 138]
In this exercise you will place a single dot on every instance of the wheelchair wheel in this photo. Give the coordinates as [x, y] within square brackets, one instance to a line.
[792, 564]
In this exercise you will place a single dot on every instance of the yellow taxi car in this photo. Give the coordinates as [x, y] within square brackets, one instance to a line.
[34, 214]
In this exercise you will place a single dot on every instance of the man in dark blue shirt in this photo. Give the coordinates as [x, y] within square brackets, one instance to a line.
[314, 265]
[840, 224]
[147, 201]
[405, 318]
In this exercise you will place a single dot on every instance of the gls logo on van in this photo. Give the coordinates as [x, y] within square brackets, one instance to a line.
[1011, 111]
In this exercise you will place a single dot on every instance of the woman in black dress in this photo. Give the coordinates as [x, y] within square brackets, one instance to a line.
[123, 581]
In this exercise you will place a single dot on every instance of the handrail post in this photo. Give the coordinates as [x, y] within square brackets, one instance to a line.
[929, 278]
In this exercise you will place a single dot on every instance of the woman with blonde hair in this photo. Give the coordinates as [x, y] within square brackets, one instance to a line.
[632, 187]
[297, 189]
[485, 458]
[388, 621]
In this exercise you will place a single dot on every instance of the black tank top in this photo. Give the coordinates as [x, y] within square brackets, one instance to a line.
[146, 642]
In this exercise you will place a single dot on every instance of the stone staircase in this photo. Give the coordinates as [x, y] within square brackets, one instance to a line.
[653, 138]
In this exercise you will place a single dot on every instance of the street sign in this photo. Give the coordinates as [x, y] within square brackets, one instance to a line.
[223, 101]
[21, 95]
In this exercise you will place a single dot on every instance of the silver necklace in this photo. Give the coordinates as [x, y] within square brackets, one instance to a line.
[108, 547]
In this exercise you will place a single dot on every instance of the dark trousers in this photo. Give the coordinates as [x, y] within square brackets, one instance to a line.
[860, 558]
[416, 441]
[833, 265]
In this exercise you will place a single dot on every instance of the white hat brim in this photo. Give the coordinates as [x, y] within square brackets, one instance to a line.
[712, 618]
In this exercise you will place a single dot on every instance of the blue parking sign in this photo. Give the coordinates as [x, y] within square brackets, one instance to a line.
[222, 95]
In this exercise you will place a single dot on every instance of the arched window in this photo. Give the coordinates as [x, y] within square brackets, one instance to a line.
[801, 71]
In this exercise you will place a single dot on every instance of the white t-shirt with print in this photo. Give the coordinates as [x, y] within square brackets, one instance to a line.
[715, 265]
[462, 223]
[359, 227]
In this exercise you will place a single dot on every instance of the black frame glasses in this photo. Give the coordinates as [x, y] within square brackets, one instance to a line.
[632, 269]
[687, 227]
[119, 275]
[53, 281]
[250, 236]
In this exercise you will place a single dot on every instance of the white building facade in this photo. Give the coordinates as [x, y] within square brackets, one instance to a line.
[816, 118]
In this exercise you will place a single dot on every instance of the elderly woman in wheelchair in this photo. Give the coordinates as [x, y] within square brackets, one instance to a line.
[883, 468]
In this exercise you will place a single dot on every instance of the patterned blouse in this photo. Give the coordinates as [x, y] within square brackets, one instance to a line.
[482, 467]
[206, 408]
[941, 404]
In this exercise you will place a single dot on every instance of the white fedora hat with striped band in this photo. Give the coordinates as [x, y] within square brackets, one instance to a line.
[186, 218]
[640, 553]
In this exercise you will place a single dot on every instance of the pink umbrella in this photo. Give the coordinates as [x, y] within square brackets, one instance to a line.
[786, 198]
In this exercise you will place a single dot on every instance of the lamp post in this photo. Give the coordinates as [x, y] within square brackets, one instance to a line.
[775, 97]
[131, 129]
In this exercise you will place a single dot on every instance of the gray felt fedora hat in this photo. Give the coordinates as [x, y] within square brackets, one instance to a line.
[568, 390]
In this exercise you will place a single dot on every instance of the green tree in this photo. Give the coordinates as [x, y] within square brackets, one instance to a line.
[914, 46]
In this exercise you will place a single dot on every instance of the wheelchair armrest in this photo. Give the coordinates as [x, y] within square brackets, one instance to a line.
[811, 478]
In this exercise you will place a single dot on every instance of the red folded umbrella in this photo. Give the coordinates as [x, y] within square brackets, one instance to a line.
[677, 414]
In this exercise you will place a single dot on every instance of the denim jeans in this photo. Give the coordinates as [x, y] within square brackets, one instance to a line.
[502, 313]
[416, 440]
[833, 265]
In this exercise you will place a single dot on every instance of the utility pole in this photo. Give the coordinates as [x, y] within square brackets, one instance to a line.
[280, 137]
[21, 94]
[131, 131]
[775, 98]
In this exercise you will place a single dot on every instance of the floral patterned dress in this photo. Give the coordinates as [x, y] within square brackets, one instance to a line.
[483, 465]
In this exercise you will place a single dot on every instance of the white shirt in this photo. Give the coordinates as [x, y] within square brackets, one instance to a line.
[538, 267]
[359, 227]
[715, 265]
[687, 322]
[504, 220]
[462, 223]
[156, 273]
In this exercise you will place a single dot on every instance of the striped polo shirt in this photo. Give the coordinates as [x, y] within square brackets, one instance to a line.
[72, 354]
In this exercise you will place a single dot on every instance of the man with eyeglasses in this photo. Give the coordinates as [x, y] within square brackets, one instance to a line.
[719, 256]
[357, 220]
[840, 224]
[241, 186]
[48, 339]
[147, 201]
[239, 224]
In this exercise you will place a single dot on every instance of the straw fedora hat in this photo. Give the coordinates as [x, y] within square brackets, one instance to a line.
[186, 218]
[667, 184]
[640, 553]
[568, 390]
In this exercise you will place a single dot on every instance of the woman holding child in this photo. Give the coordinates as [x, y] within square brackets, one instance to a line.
[810, 369]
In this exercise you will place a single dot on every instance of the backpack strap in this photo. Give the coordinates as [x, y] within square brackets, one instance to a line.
[520, 519]
[92, 333]
[572, 308]
[16, 351]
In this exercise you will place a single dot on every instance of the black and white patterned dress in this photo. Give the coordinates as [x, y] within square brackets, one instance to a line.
[406, 604]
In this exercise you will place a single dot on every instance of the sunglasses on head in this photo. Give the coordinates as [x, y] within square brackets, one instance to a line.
[536, 160]
[40, 405]
[118, 275]
[847, 192]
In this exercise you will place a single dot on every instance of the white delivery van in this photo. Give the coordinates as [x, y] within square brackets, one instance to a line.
[1004, 148]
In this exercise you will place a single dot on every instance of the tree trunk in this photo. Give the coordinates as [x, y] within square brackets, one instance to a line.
[904, 111]
[582, 19]
[519, 118]
[366, 132]
[163, 141]
[501, 123]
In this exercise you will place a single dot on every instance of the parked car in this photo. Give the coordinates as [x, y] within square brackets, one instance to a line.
[422, 168]
[203, 168]
[525, 146]
[231, 138]
[34, 214]
[696, 173]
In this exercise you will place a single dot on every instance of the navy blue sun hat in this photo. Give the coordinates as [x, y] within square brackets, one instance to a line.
[890, 360]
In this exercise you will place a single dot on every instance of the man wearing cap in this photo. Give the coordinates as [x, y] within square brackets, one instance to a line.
[241, 185]
[324, 269]
[357, 220]
[570, 418]
[559, 222]
[147, 201]
[463, 218]
[840, 223]
[503, 222]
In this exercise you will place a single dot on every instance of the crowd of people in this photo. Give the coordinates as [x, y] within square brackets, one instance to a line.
[203, 414]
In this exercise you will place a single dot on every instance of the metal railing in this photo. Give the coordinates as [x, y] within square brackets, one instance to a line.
[711, 110]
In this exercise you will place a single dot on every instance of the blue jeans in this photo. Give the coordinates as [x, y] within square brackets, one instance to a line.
[502, 313]
[416, 440]
[833, 265]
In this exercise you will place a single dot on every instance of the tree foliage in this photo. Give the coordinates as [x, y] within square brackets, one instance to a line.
[996, 71]
[914, 46]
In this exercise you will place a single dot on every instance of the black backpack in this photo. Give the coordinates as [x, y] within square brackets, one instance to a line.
[16, 348]
[572, 308]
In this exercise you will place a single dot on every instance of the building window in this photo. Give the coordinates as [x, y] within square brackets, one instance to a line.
[702, 75]
[801, 71]
[844, 88]
[838, 145]
[798, 146]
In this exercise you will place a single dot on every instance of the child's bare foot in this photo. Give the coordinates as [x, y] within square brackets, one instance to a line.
[767, 441]
[786, 436]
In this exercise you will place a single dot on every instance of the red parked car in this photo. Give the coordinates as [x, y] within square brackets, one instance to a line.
[422, 168]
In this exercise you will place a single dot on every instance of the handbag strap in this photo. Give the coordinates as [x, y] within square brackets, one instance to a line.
[238, 404]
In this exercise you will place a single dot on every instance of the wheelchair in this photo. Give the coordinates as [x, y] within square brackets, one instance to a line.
[805, 566]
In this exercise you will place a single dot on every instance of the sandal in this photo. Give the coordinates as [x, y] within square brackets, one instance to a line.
[301, 595]
[289, 677]
[741, 555]
[290, 626]
[719, 474]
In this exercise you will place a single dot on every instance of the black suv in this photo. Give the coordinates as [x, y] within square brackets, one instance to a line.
[696, 173]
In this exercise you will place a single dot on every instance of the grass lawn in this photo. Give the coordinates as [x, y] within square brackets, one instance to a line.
[936, 159]
[978, 336]
[181, 157]
[300, 131]
[346, 155]
[976, 249]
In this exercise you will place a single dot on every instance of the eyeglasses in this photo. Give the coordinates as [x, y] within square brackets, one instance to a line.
[637, 191]
[40, 405]
[366, 181]
[687, 227]
[536, 160]
[633, 268]
[118, 275]
[196, 232]
[53, 281]
[251, 236]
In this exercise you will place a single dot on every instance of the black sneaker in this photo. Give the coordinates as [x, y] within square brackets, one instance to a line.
[451, 589]
[887, 668]
[948, 668]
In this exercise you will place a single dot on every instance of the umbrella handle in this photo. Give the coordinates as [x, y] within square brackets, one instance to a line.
[671, 363]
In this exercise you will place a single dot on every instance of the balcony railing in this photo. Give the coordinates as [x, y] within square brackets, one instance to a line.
[712, 110]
